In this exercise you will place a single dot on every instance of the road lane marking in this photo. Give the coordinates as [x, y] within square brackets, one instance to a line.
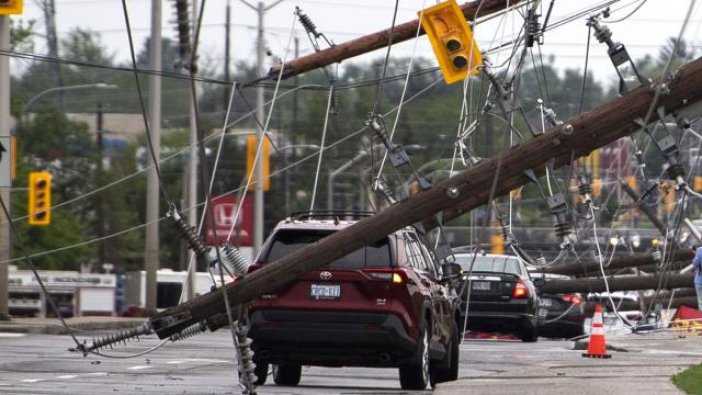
[32, 380]
[68, 376]
[139, 367]
[97, 374]
[9, 334]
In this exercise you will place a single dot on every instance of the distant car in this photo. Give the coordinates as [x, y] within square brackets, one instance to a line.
[562, 315]
[389, 304]
[501, 295]
[626, 304]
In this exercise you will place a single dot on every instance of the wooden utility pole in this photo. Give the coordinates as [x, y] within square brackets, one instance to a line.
[402, 32]
[624, 283]
[592, 268]
[455, 196]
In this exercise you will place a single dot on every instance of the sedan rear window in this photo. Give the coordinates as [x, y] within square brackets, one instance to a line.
[286, 242]
[489, 264]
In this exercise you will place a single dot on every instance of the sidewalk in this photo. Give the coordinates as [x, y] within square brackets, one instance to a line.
[53, 326]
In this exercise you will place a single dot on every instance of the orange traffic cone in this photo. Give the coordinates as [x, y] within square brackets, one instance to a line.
[596, 348]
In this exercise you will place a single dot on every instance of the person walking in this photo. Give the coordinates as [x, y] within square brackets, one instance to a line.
[697, 267]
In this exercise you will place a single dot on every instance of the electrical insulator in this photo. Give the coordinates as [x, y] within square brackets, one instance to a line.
[246, 364]
[183, 29]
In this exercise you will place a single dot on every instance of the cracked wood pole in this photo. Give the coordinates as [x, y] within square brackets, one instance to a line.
[472, 187]
[380, 39]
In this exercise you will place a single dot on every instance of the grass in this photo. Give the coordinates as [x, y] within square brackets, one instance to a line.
[690, 380]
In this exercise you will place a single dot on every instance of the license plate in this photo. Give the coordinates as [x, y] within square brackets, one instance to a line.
[546, 302]
[481, 285]
[325, 291]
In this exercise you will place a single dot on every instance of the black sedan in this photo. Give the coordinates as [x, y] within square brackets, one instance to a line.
[562, 315]
[498, 295]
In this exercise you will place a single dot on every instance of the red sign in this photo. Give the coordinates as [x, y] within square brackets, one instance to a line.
[224, 210]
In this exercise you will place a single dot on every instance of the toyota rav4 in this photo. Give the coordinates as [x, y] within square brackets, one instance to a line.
[389, 304]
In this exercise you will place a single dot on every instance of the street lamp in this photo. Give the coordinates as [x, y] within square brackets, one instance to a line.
[99, 85]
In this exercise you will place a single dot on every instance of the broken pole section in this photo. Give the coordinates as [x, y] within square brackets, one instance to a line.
[455, 196]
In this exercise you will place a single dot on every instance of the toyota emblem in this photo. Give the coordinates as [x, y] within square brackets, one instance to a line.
[325, 275]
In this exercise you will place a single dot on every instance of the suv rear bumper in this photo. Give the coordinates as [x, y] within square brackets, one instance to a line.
[329, 338]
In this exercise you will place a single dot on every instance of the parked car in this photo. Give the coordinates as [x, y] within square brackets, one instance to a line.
[501, 296]
[389, 304]
[562, 315]
[626, 304]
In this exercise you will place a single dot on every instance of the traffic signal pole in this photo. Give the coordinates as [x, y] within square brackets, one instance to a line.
[467, 190]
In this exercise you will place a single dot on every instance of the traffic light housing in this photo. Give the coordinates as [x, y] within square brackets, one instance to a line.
[39, 198]
[251, 147]
[452, 40]
[9, 7]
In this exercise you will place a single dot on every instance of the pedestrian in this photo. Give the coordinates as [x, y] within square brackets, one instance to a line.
[697, 267]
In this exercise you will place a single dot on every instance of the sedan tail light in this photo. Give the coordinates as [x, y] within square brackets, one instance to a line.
[520, 290]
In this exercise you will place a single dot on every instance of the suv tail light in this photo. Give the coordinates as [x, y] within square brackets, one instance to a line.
[520, 290]
[572, 298]
[389, 275]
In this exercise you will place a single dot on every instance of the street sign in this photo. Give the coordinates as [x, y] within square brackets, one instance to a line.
[5, 162]
[224, 210]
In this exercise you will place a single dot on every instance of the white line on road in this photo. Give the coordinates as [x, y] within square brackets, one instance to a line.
[32, 380]
[8, 334]
[68, 376]
[139, 367]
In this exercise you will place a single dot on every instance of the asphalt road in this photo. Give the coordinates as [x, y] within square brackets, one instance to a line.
[42, 364]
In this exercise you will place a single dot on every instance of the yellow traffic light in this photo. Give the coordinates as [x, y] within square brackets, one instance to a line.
[669, 198]
[452, 40]
[39, 198]
[8, 7]
[497, 244]
[697, 184]
[596, 187]
[631, 181]
[251, 146]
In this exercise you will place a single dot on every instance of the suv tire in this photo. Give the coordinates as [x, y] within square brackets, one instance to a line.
[415, 375]
[287, 374]
[449, 370]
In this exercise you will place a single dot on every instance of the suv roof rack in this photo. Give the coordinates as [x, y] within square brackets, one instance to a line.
[329, 214]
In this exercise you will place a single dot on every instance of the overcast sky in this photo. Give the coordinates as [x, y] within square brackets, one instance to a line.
[341, 20]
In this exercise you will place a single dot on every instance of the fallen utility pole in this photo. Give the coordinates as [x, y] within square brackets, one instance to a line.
[624, 283]
[645, 208]
[457, 195]
[582, 134]
[592, 268]
[378, 40]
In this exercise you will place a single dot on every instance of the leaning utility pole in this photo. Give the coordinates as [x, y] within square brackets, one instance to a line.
[467, 190]
[402, 32]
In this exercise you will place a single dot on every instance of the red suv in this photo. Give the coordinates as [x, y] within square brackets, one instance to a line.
[389, 304]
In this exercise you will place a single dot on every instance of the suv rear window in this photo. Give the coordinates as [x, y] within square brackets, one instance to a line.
[287, 241]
